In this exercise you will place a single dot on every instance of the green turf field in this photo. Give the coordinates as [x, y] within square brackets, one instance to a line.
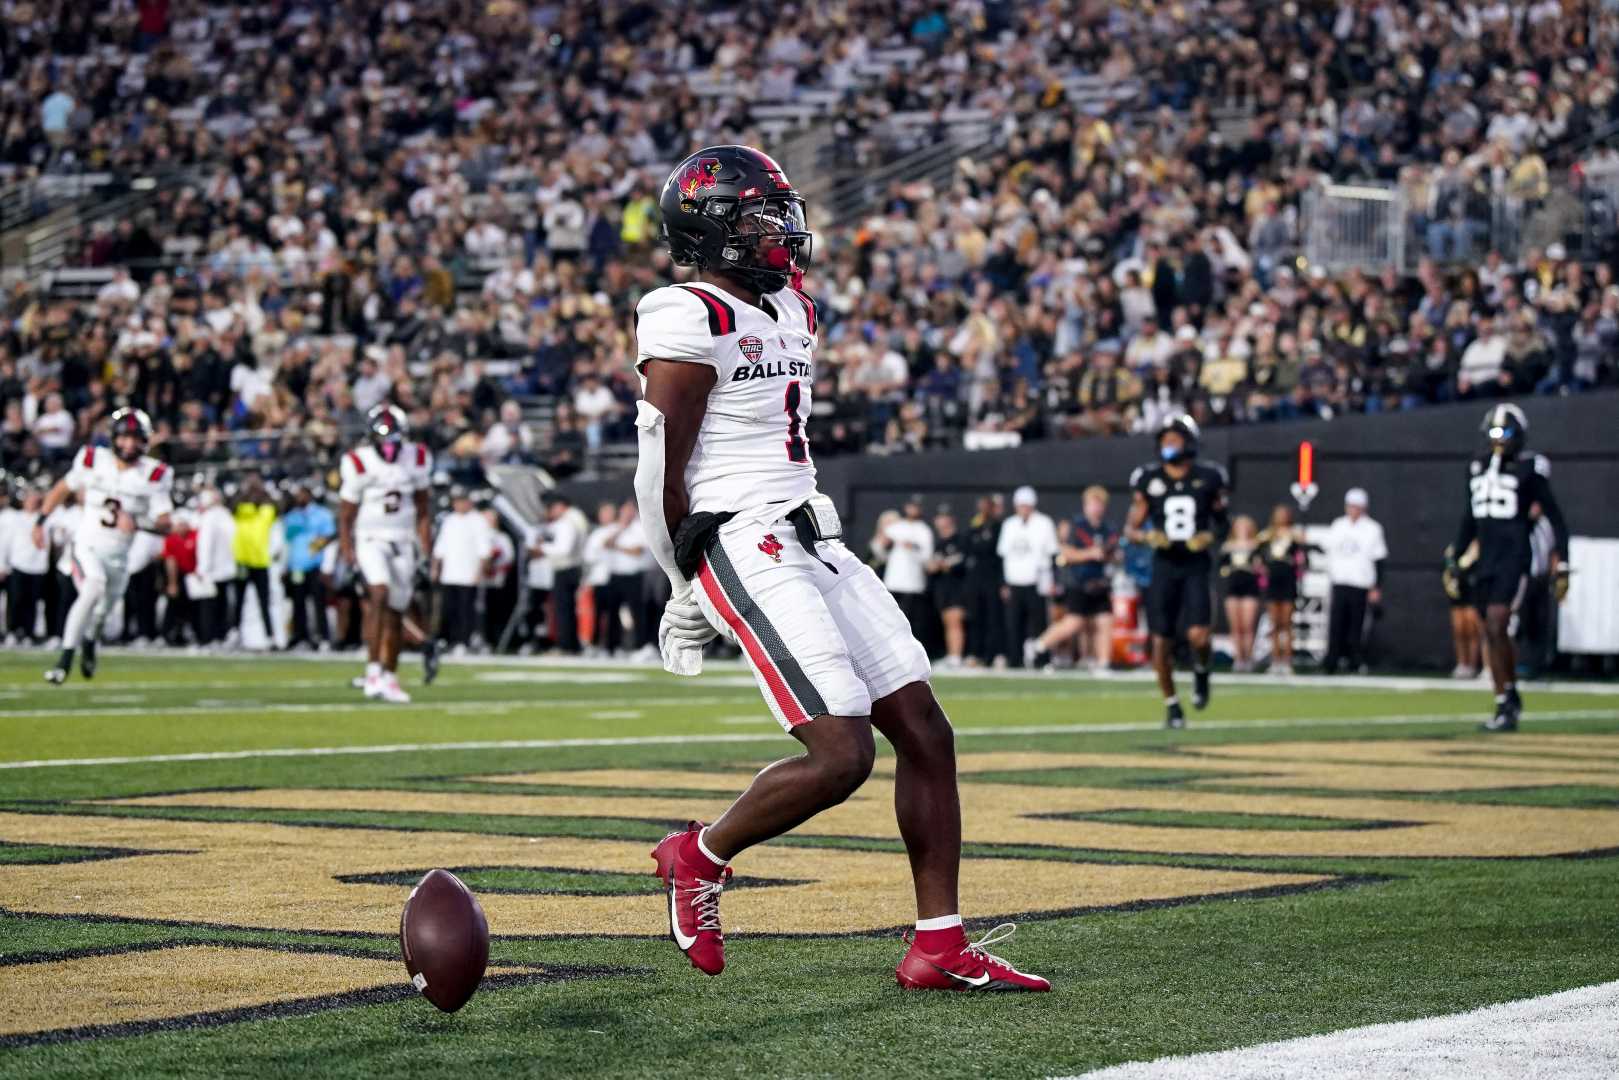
[202, 862]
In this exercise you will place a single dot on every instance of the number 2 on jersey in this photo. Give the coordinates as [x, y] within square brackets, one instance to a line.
[796, 450]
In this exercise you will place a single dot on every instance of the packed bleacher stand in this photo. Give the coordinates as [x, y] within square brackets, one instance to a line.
[450, 205]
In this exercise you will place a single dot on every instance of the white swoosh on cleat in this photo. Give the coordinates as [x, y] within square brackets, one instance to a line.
[682, 940]
[980, 981]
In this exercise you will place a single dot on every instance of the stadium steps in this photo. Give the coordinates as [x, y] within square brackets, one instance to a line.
[98, 199]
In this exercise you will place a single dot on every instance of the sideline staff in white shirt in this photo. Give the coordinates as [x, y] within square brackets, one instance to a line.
[910, 546]
[25, 565]
[216, 564]
[1355, 550]
[563, 543]
[461, 556]
[628, 560]
[1027, 545]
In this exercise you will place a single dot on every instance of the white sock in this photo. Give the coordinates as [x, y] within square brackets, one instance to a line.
[373, 670]
[943, 922]
[78, 616]
[1172, 700]
[707, 854]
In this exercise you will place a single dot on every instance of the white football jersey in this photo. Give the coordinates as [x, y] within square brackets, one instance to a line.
[108, 487]
[752, 447]
[385, 492]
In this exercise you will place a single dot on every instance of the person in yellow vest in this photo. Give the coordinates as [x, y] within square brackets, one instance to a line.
[255, 514]
[638, 226]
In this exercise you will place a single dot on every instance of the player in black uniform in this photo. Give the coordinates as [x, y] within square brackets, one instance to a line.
[1501, 487]
[1179, 510]
[947, 579]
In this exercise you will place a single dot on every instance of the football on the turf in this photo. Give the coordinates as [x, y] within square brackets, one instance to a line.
[445, 939]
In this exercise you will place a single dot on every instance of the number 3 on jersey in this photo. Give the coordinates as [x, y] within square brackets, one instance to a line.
[1180, 517]
[796, 448]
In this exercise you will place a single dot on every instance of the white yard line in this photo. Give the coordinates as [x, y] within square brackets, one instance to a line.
[678, 740]
[625, 696]
[724, 668]
[1573, 1035]
[209, 706]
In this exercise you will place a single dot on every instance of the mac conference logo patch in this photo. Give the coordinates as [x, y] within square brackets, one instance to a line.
[753, 348]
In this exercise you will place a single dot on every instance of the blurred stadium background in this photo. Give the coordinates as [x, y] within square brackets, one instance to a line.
[1040, 229]
[1332, 232]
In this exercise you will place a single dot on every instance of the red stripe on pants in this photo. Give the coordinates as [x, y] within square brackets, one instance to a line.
[790, 708]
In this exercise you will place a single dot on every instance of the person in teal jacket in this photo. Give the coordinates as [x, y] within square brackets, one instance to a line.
[309, 527]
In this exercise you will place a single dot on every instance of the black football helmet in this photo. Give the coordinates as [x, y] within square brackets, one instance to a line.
[127, 421]
[387, 428]
[1186, 428]
[717, 205]
[1506, 429]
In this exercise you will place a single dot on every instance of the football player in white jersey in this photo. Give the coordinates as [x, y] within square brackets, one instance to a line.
[726, 488]
[121, 492]
[384, 524]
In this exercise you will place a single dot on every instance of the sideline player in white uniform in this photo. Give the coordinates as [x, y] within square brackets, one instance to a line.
[384, 524]
[121, 492]
[726, 487]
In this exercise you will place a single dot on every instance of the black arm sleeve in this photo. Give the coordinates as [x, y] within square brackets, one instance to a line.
[1553, 513]
[1220, 512]
[1466, 532]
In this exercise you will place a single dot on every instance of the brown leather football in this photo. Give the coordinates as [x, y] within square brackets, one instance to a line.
[445, 939]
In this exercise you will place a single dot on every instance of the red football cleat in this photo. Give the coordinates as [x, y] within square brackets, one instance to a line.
[694, 898]
[966, 967]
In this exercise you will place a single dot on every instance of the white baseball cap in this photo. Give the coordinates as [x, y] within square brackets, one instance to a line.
[1356, 497]
[1025, 496]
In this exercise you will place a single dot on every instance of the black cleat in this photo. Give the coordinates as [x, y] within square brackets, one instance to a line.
[1506, 715]
[429, 660]
[1175, 719]
[1200, 690]
[57, 675]
[87, 659]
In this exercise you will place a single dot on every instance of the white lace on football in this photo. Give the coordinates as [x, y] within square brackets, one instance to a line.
[706, 899]
[999, 934]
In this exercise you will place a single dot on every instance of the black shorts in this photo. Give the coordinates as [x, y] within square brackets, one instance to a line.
[1281, 585]
[1503, 583]
[951, 593]
[1464, 593]
[1242, 586]
[1086, 602]
[1179, 595]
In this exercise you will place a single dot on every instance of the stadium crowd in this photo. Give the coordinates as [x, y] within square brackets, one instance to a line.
[450, 206]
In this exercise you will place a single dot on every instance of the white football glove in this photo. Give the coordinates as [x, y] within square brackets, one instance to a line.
[682, 633]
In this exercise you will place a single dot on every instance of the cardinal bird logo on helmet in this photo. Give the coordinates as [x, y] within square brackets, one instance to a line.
[700, 174]
[731, 210]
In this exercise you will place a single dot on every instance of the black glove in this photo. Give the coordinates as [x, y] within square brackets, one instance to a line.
[692, 537]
